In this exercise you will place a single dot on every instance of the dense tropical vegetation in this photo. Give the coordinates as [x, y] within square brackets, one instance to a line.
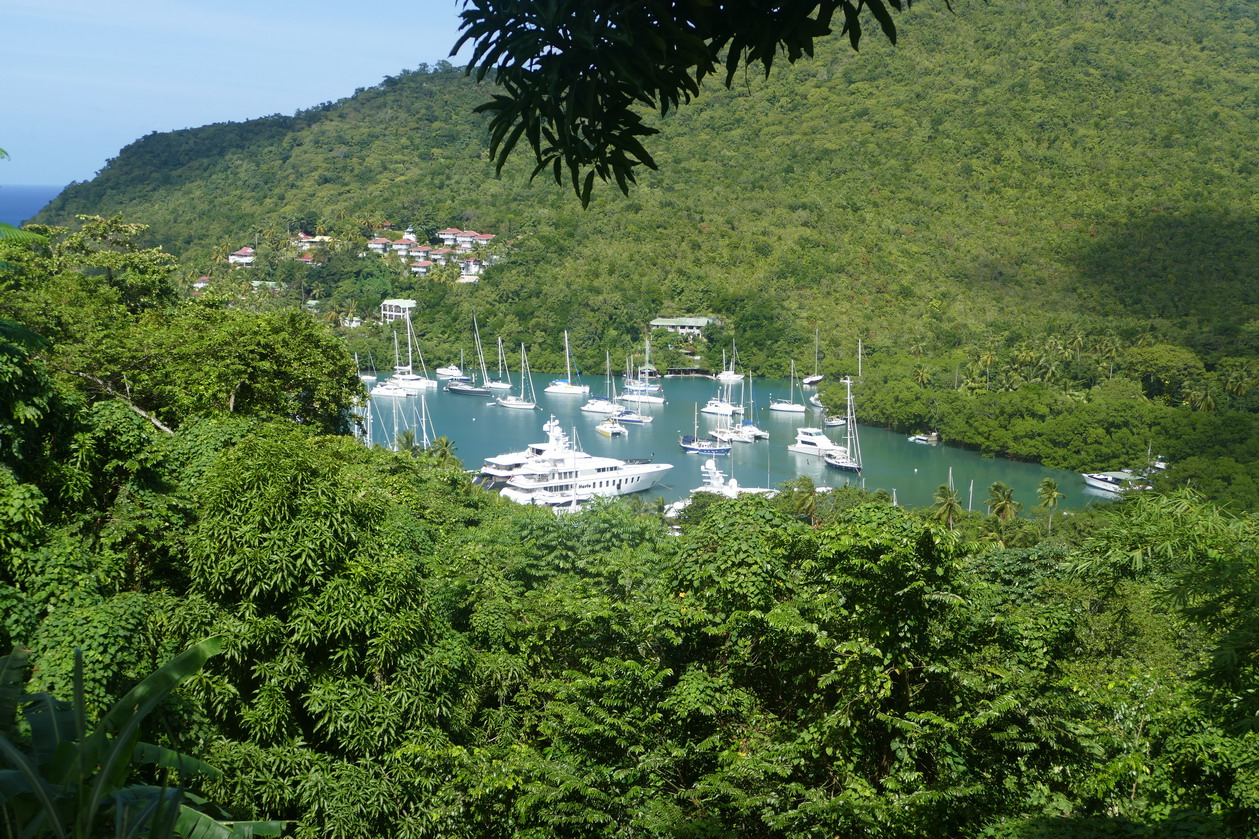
[1041, 227]
[1022, 219]
[406, 654]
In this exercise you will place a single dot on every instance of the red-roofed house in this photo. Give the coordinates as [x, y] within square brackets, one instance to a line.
[421, 267]
[379, 245]
[441, 255]
[448, 235]
[244, 256]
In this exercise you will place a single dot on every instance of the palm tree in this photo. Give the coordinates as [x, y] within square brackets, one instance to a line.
[442, 450]
[1049, 497]
[1236, 377]
[921, 375]
[1199, 398]
[1001, 503]
[406, 442]
[986, 358]
[947, 507]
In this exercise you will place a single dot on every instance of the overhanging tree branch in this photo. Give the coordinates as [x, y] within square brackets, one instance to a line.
[577, 73]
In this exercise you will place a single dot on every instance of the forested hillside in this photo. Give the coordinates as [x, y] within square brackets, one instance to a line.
[1040, 221]
[1016, 195]
[1006, 167]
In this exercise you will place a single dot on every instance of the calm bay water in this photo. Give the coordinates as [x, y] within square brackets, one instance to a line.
[19, 203]
[479, 429]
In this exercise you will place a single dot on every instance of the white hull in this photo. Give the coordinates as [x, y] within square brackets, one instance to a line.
[515, 402]
[1112, 482]
[566, 389]
[786, 407]
[547, 491]
[451, 372]
[720, 408]
[813, 441]
[386, 389]
[412, 382]
[641, 399]
[601, 406]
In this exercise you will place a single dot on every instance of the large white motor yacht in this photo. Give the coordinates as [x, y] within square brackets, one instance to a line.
[556, 473]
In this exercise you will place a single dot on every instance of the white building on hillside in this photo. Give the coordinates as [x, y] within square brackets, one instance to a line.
[396, 309]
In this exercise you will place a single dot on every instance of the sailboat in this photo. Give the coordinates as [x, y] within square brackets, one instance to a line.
[749, 426]
[565, 386]
[405, 376]
[728, 374]
[847, 457]
[641, 390]
[500, 383]
[788, 405]
[389, 387]
[809, 381]
[604, 404]
[721, 406]
[694, 444]
[526, 400]
[468, 388]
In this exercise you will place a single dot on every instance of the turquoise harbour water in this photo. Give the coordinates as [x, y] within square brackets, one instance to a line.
[480, 429]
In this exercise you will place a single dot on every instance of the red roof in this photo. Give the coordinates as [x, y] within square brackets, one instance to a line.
[485, 236]
[423, 263]
[245, 251]
[449, 230]
[379, 242]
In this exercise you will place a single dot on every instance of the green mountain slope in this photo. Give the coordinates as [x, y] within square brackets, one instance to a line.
[1009, 168]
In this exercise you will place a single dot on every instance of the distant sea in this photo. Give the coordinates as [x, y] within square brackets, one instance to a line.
[19, 203]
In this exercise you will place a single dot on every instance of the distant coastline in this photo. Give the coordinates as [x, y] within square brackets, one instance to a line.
[19, 203]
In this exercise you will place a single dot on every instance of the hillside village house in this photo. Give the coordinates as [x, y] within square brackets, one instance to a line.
[396, 309]
[244, 256]
[304, 241]
[689, 328]
[464, 240]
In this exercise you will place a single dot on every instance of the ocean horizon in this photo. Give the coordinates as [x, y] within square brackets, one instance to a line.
[19, 203]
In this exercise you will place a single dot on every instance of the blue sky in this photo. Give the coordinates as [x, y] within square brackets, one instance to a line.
[83, 79]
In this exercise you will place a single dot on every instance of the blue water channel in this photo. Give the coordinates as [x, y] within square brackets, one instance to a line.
[913, 471]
